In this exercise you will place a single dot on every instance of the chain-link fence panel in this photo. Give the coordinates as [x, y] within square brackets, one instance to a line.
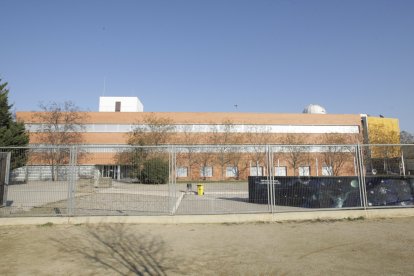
[124, 181]
[308, 177]
[388, 178]
[213, 179]
[38, 182]
[204, 179]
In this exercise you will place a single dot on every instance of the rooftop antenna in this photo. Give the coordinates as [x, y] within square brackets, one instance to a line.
[104, 87]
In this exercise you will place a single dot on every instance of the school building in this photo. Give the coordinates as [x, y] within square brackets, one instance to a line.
[118, 117]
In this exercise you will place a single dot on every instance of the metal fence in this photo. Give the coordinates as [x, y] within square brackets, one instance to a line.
[208, 179]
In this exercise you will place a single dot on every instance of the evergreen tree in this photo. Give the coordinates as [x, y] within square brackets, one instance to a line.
[12, 133]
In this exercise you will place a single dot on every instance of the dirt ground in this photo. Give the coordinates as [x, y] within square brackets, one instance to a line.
[359, 247]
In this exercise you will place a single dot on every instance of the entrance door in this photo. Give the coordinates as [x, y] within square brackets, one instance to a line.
[109, 171]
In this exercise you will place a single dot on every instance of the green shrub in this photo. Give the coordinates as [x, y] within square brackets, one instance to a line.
[155, 171]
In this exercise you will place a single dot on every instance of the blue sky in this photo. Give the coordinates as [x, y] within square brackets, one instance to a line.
[265, 56]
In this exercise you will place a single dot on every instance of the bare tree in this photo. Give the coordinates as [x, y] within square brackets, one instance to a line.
[206, 155]
[406, 137]
[223, 137]
[337, 152]
[257, 138]
[237, 158]
[62, 124]
[151, 131]
[296, 152]
[188, 155]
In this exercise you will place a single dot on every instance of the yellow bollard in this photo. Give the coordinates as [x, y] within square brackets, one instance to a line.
[200, 189]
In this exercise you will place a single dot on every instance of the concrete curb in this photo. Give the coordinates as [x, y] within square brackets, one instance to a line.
[230, 218]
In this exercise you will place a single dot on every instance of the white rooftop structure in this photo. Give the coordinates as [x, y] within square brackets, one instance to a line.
[314, 109]
[120, 104]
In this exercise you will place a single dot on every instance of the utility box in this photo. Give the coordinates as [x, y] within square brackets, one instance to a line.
[200, 189]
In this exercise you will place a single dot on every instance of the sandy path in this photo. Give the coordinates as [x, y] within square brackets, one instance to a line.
[362, 247]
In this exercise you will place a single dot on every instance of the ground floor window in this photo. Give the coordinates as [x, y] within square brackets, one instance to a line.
[111, 171]
[256, 171]
[280, 171]
[231, 171]
[182, 172]
[304, 171]
[206, 171]
[327, 170]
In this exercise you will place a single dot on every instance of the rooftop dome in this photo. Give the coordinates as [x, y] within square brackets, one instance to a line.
[314, 109]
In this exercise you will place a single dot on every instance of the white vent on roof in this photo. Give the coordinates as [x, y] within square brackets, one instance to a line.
[314, 109]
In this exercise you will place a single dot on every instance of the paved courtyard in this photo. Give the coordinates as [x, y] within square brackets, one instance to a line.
[49, 198]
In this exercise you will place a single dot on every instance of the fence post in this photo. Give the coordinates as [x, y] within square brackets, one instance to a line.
[270, 178]
[5, 158]
[72, 180]
[361, 177]
[172, 180]
[267, 184]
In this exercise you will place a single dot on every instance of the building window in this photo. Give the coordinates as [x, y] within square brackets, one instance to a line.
[206, 171]
[280, 171]
[256, 171]
[117, 106]
[182, 172]
[231, 171]
[304, 171]
[327, 170]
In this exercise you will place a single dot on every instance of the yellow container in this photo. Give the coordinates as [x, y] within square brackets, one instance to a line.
[200, 189]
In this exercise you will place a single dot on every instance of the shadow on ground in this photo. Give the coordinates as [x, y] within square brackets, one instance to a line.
[238, 199]
[120, 250]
